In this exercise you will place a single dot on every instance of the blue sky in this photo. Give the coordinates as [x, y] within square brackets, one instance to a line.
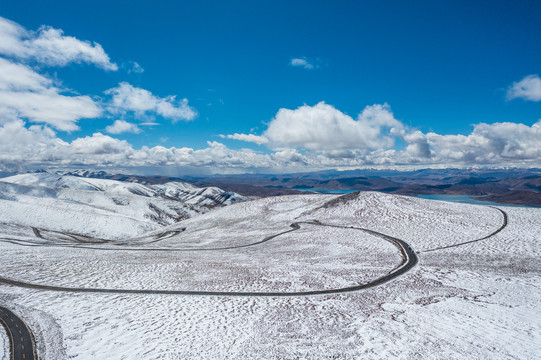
[427, 71]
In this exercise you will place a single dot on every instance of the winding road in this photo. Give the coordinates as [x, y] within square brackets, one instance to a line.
[409, 261]
[504, 224]
[20, 337]
[22, 342]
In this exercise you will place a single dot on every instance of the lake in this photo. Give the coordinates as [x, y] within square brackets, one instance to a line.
[451, 198]
[464, 199]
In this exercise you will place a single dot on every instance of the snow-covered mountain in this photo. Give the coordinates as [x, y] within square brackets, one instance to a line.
[103, 208]
[474, 293]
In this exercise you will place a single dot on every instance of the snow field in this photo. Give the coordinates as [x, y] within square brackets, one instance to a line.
[4, 344]
[477, 301]
[423, 224]
[312, 258]
[106, 209]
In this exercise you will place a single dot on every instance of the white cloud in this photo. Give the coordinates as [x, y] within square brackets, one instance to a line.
[19, 145]
[302, 62]
[259, 140]
[142, 103]
[30, 95]
[121, 126]
[323, 127]
[18, 77]
[27, 94]
[290, 157]
[133, 67]
[15, 133]
[49, 46]
[490, 144]
[37, 146]
[418, 146]
[321, 136]
[528, 88]
[303, 139]
[99, 144]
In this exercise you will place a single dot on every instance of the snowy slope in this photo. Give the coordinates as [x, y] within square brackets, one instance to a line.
[106, 209]
[4, 344]
[479, 300]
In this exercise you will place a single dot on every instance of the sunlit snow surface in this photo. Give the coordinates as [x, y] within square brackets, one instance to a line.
[104, 209]
[475, 301]
[4, 344]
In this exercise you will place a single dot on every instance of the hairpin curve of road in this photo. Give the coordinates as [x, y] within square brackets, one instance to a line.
[409, 260]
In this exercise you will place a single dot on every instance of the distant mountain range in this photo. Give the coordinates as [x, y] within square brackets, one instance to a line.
[512, 186]
[516, 186]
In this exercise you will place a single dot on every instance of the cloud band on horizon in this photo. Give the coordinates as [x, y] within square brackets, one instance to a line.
[34, 106]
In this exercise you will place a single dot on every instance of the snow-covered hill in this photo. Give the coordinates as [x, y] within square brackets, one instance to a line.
[474, 293]
[106, 209]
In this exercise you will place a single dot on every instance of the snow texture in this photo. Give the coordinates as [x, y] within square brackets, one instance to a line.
[478, 301]
[4, 344]
[103, 209]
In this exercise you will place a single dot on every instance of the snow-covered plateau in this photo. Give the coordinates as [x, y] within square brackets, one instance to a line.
[125, 283]
[102, 209]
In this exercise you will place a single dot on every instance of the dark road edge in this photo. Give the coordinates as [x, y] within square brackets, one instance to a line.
[504, 224]
[16, 328]
[409, 261]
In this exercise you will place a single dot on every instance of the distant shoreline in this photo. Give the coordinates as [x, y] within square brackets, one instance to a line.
[514, 198]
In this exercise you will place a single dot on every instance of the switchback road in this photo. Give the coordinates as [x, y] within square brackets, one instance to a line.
[409, 256]
[504, 224]
[20, 338]
[409, 260]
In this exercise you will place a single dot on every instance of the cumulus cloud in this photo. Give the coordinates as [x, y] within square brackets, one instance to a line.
[49, 46]
[19, 145]
[302, 62]
[142, 103]
[35, 97]
[121, 126]
[27, 94]
[490, 144]
[528, 88]
[323, 127]
[322, 136]
[25, 147]
[418, 146]
[291, 157]
[256, 139]
[21, 77]
[99, 144]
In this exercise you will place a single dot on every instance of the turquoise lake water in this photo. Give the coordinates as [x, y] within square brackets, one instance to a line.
[464, 199]
[451, 198]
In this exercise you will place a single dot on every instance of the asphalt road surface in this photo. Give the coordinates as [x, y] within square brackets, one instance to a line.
[21, 340]
[408, 262]
[409, 256]
[22, 343]
[504, 224]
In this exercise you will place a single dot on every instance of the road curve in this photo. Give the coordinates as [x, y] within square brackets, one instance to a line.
[409, 261]
[504, 224]
[20, 337]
